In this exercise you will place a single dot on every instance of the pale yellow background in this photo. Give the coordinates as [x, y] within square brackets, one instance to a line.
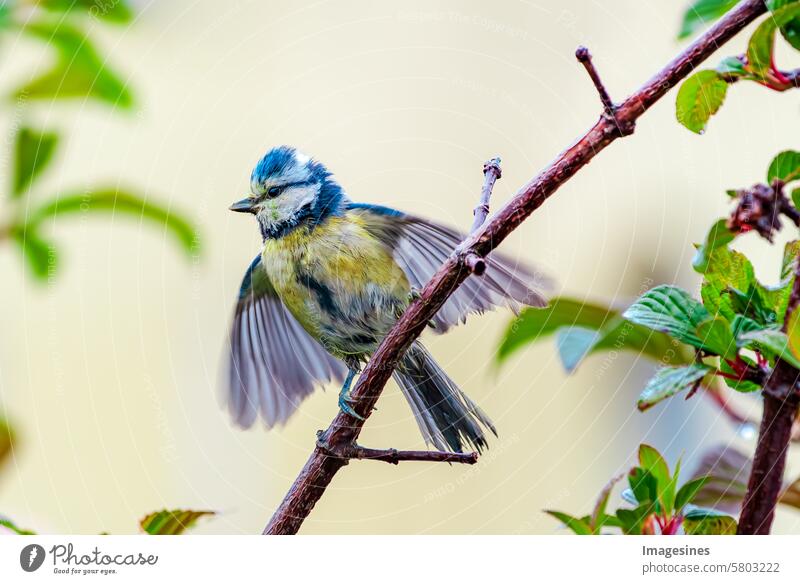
[110, 372]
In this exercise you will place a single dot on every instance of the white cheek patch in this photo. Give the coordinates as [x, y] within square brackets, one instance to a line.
[287, 205]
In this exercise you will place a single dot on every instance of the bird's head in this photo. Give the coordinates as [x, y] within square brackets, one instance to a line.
[289, 189]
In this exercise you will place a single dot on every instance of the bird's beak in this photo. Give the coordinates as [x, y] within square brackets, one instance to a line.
[246, 205]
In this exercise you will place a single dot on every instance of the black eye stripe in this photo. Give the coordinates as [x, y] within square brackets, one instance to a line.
[276, 190]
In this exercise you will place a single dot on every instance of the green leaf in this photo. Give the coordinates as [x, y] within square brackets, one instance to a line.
[79, 71]
[725, 270]
[708, 522]
[670, 310]
[719, 235]
[667, 381]
[537, 323]
[40, 255]
[702, 13]
[632, 520]
[8, 524]
[644, 486]
[7, 440]
[753, 304]
[770, 342]
[793, 333]
[115, 11]
[33, 151]
[790, 30]
[651, 461]
[795, 196]
[688, 492]
[172, 522]
[120, 202]
[716, 336]
[785, 166]
[578, 526]
[738, 384]
[760, 47]
[699, 98]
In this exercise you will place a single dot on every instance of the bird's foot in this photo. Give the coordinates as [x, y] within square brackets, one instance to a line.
[414, 294]
[344, 404]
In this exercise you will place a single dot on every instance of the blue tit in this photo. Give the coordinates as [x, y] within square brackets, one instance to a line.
[331, 280]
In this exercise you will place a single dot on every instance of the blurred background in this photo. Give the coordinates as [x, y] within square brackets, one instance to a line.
[110, 367]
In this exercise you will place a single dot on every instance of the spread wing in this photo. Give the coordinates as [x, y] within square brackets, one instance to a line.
[274, 364]
[421, 246]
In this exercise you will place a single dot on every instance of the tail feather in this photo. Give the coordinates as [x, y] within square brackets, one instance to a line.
[447, 418]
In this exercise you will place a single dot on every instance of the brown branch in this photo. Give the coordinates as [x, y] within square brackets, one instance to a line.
[320, 469]
[393, 456]
[584, 56]
[781, 403]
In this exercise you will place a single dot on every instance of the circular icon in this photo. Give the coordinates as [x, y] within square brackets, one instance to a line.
[31, 557]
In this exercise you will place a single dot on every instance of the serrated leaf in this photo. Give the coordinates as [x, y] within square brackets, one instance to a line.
[33, 151]
[699, 98]
[667, 381]
[670, 310]
[40, 255]
[770, 342]
[79, 71]
[171, 522]
[119, 202]
[725, 270]
[708, 522]
[577, 525]
[116, 11]
[761, 45]
[688, 492]
[701, 13]
[785, 166]
[718, 236]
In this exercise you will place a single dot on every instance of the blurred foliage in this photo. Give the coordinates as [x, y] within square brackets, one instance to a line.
[11, 527]
[7, 439]
[701, 95]
[172, 522]
[657, 505]
[79, 71]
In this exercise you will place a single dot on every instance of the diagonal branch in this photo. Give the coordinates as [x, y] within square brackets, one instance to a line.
[320, 469]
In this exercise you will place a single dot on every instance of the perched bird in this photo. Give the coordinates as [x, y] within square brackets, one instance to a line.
[332, 279]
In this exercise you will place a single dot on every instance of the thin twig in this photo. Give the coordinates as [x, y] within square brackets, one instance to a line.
[585, 57]
[394, 456]
[491, 172]
[320, 469]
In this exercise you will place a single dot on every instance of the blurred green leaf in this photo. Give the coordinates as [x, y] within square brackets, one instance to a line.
[670, 310]
[578, 526]
[667, 381]
[701, 13]
[116, 11]
[652, 461]
[708, 522]
[537, 323]
[171, 522]
[688, 492]
[10, 525]
[726, 471]
[644, 486]
[762, 42]
[770, 342]
[7, 440]
[599, 515]
[5, 16]
[793, 333]
[79, 71]
[795, 196]
[632, 520]
[790, 30]
[718, 236]
[119, 202]
[699, 98]
[785, 166]
[40, 255]
[33, 150]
